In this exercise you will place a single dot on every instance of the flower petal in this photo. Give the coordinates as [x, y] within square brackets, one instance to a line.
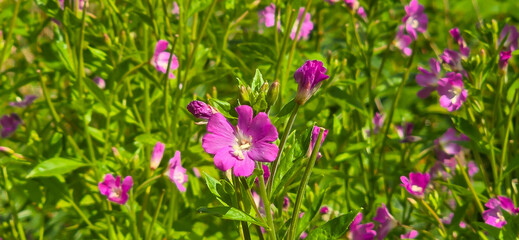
[243, 168]
[224, 160]
[263, 152]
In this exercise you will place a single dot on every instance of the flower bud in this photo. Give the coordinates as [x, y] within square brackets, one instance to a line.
[99, 82]
[6, 150]
[156, 156]
[309, 78]
[116, 153]
[201, 109]
[503, 60]
[264, 88]
[273, 93]
[244, 95]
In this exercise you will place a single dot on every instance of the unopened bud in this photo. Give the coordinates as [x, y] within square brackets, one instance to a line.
[309, 78]
[6, 150]
[201, 109]
[244, 95]
[117, 154]
[273, 93]
[156, 156]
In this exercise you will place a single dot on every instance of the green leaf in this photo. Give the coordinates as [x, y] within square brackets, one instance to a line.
[55, 166]
[334, 228]
[232, 214]
[223, 107]
[197, 6]
[97, 92]
[287, 109]
[257, 81]
[466, 128]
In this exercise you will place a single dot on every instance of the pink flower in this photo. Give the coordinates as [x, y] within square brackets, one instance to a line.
[453, 59]
[352, 4]
[447, 142]
[473, 168]
[267, 16]
[27, 100]
[238, 147]
[455, 33]
[306, 27]
[99, 82]
[405, 131]
[510, 43]
[416, 184]
[503, 59]
[114, 190]
[385, 220]
[161, 57]
[448, 219]
[324, 210]
[428, 80]
[177, 174]
[175, 10]
[403, 41]
[313, 140]
[286, 203]
[362, 13]
[303, 235]
[410, 235]
[361, 231]
[452, 93]
[415, 20]
[309, 78]
[201, 109]
[9, 124]
[196, 172]
[331, 2]
[156, 155]
[493, 216]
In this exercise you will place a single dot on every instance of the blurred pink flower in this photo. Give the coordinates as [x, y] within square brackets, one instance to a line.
[156, 155]
[177, 174]
[161, 57]
[306, 27]
[416, 183]
[114, 190]
[428, 80]
[403, 41]
[451, 91]
[415, 19]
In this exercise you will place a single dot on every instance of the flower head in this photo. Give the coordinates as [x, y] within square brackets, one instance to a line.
[385, 220]
[309, 78]
[286, 203]
[267, 16]
[416, 183]
[9, 124]
[177, 174]
[452, 93]
[238, 147]
[201, 109]
[428, 79]
[306, 27]
[114, 190]
[161, 57]
[473, 168]
[410, 235]
[464, 50]
[27, 100]
[156, 155]
[503, 59]
[453, 59]
[402, 41]
[361, 231]
[175, 10]
[315, 135]
[324, 210]
[415, 19]
[405, 131]
[494, 216]
[99, 82]
[447, 143]
[510, 43]
[352, 4]
[362, 13]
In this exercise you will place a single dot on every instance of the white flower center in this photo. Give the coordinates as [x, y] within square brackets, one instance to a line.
[178, 177]
[500, 217]
[116, 193]
[416, 188]
[243, 143]
[413, 22]
[456, 91]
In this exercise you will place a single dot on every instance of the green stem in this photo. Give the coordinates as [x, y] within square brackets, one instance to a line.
[281, 54]
[157, 211]
[302, 186]
[443, 232]
[251, 199]
[504, 156]
[274, 166]
[266, 205]
[17, 225]
[241, 206]
[471, 187]
[9, 33]
[146, 183]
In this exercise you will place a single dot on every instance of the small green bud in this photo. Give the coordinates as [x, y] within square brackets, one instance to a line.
[273, 93]
[244, 95]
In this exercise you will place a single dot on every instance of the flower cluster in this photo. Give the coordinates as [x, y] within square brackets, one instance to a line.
[494, 215]
[267, 17]
[415, 21]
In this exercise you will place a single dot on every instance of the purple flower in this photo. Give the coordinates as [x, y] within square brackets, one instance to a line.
[201, 109]
[114, 190]
[27, 100]
[161, 57]
[309, 78]
[428, 80]
[405, 131]
[156, 155]
[324, 210]
[362, 13]
[378, 122]
[286, 203]
[415, 19]
[473, 168]
[9, 124]
[452, 93]
[503, 59]
[175, 10]
[361, 231]
[267, 16]
[455, 33]
[99, 82]
[403, 41]
[416, 184]
[238, 147]
[493, 216]
[177, 174]
[447, 142]
[306, 27]
[448, 219]
[387, 222]
[453, 59]
[410, 235]
[352, 4]
[266, 173]
[510, 43]
[303, 235]
[313, 140]
[61, 4]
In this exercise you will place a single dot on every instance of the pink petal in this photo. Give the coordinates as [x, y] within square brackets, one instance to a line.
[244, 117]
[224, 160]
[221, 134]
[127, 183]
[243, 168]
[263, 152]
[261, 129]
